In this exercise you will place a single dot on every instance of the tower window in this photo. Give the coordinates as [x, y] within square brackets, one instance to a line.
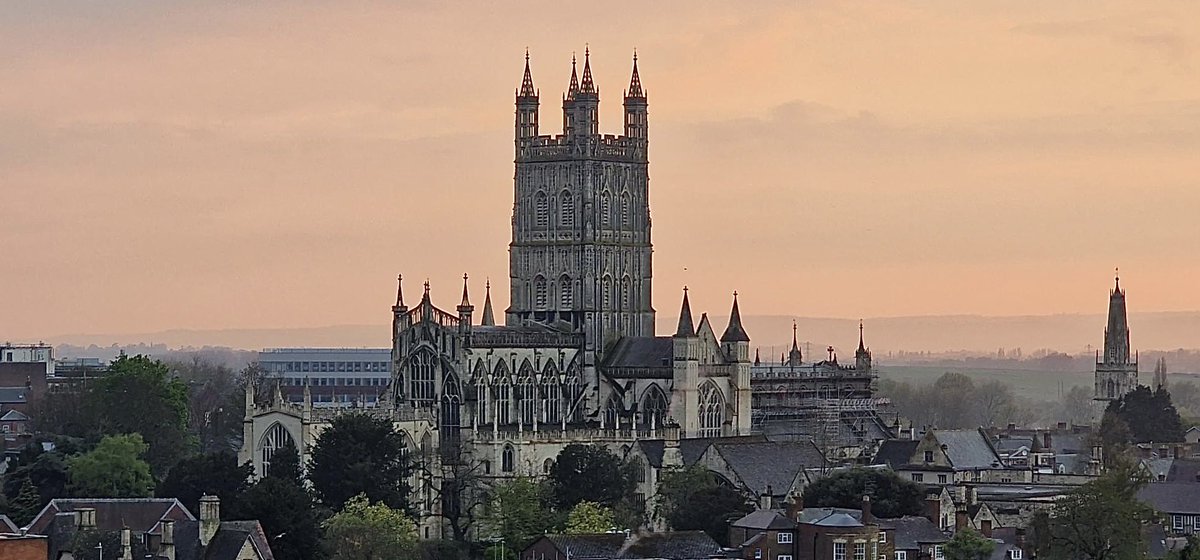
[542, 209]
[604, 209]
[539, 292]
[565, 293]
[625, 210]
[567, 215]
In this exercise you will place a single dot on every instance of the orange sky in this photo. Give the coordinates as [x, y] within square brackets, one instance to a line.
[171, 165]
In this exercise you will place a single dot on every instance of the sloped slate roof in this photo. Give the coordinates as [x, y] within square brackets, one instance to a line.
[774, 465]
[141, 515]
[838, 520]
[813, 514]
[690, 449]
[13, 394]
[675, 545]
[913, 531]
[763, 520]
[1184, 470]
[585, 547]
[895, 452]
[968, 449]
[7, 525]
[13, 416]
[641, 352]
[1172, 497]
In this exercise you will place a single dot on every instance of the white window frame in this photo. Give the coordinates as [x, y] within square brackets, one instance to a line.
[1196, 523]
[784, 557]
[784, 538]
[758, 553]
[938, 553]
[1177, 522]
[901, 555]
[1014, 554]
[860, 551]
[836, 554]
[883, 537]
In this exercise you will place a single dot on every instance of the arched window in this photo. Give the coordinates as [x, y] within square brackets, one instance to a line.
[639, 470]
[605, 209]
[612, 411]
[625, 293]
[606, 287]
[567, 209]
[539, 292]
[527, 399]
[712, 410]
[549, 393]
[566, 294]
[542, 210]
[277, 438]
[501, 395]
[451, 415]
[481, 394]
[625, 210]
[508, 459]
[654, 408]
[547, 466]
[572, 391]
[421, 371]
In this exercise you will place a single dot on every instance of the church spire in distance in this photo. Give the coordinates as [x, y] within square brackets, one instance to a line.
[400, 291]
[1116, 335]
[574, 87]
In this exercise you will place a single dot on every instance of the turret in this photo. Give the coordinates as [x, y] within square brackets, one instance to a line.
[794, 358]
[527, 107]
[685, 369]
[735, 341]
[465, 310]
[399, 310]
[489, 320]
[581, 106]
[862, 356]
[636, 122]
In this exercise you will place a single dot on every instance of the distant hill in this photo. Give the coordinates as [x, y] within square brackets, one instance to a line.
[772, 333]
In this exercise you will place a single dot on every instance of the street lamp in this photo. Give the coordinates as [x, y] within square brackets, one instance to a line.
[100, 547]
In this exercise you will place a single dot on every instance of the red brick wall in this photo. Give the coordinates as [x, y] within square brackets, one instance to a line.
[23, 548]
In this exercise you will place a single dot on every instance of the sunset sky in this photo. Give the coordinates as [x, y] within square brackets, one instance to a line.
[275, 164]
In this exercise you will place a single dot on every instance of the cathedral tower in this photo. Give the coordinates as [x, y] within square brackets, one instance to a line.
[1116, 369]
[580, 253]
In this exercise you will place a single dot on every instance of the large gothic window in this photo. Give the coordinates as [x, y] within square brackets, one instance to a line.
[565, 293]
[508, 459]
[572, 390]
[605, 209]
[712, 410]
[654, 408]
[451, 415]
[277, 438]
[421, 372]
[527, 399]
[549, 394]
[567, 209]
[481, 394]
[539, 292]
[542, 210]
[612, 411]
[501, 395]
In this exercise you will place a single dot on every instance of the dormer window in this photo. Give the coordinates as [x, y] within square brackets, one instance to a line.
[928, 456]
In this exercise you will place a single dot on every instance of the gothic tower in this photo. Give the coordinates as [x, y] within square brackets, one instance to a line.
[1117, 369]
[580, 253]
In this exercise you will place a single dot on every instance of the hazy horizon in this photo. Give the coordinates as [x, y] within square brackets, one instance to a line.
[220, 166]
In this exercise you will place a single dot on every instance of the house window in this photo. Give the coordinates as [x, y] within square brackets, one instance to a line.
[785, 538]
[882, 537]
[1014, 554]
[1177, 522]
[758, 553]
[1196, 523]
[860, 551]
[839, 551]
[901, 555]
[938, 554]
[784, 557]
[941, 479]
[928, 456]
[918, 477]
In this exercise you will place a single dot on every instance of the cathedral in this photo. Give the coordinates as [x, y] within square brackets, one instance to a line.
[577, 359]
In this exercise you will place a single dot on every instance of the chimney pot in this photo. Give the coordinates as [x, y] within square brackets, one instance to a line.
[210, 517]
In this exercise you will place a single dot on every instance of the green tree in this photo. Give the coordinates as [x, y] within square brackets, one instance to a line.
[285, 464]
[518, 511]
[891, 496]
[216, 403]
[46, 470]
[114, 469]
[215, 473]
[360, 454]
[26, 505]
[1150, 415]
[1101, 520]
[691, 499]
[366, 531]
[140, 395]
[968, 544]
[590, 473]
[589, 518]
[289, 517]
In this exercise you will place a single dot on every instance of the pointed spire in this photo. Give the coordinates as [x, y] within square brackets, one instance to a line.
[635, 82]
[466, 301]
[794, 356]
[734, 332]
[489, 320]
[587, 86]
[757, 361]
[527, 82]
[574, 87]
[861, 347]
[400, 290]
[686, 327]
[795, 344]
[1116, 334]
[1117, 277]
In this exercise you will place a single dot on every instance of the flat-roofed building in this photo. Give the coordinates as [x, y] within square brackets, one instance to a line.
[335, 376]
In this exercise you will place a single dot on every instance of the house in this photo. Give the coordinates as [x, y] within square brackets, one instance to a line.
[764, 534]
[916, 538]
[141, 515]
[1177, 502]
[673, 545]
[838, 536]
[23, 547]
[810, 534]
[943, 457]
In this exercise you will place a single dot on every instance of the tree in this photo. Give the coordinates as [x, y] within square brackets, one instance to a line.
[360, 454]
[140, 395]
[1077, 405]
[995, 404]
[589, 518]
[287, 513]
[691, 499]
[26, 505]
[956, 399]
[1101, 520]
[891, 496]
[366, 531]
[114, 469]
[216, 403]
[967, 544]
[214, 473]
[460, 492]
[1150, 415]
[590, 473]
[47, 470]
[518, 512]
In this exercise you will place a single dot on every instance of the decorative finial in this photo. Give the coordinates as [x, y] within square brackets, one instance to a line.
[400, 290]
[526, 54]
[685, 288]
[635, 55]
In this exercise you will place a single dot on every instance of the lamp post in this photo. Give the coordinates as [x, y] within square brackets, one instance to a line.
[100, 547]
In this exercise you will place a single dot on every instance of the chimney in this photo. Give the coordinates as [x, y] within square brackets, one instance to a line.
[86, 518]
[971, 495]
[1046, 440]
[797, 505]
[764, 499]
[126, 552]
[210, 517]
[867, 516]
[933, 509]
[961, 521]
[1012, 426]
[985, 527]
[167, 547]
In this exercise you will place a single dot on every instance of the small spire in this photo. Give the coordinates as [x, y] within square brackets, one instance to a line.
[489, 320]
[686, 327]
[587, 86]
[527, 82]
[635, 82]
[574, 87]
[400, 290]
[757, 361]
[795, 345]
[425, 297]
[861, 347]
[734, 332]
[1117, 274]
